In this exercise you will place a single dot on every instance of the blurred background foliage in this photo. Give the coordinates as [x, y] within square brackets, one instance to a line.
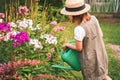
[51, 8]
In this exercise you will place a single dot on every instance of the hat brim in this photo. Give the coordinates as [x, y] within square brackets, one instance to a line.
[86, 9]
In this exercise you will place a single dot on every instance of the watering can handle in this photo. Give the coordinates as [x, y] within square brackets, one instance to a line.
[62, 51]
[71, 41]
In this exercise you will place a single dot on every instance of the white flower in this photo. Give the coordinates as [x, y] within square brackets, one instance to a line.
[33, 41]
[32, 28]
[38, 26]
[50, 39]
[14, 32]
[38, 46]
[18, 21]
[30, 22]
[1, 20]
[13, 24]
[42, 36]
[36, 43]
[23, 24]
[24, 19]
[7, 37]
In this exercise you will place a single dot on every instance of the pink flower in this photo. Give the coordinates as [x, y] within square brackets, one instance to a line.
[4, 26]
[20, 38]
[62, 27]
[55, 29]
[65, 39]
[33, 62]
[52, 49]
[48, 55]
[58, 28]
[2, 15]
[53, 23]
[23, 10]
[50, 35]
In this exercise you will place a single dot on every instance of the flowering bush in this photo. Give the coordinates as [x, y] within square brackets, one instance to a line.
[27, 38]
[28, 48]
[8, 70]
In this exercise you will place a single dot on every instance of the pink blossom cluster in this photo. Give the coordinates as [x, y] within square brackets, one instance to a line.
[12, 78]
[4, 26]
[52, 49]
[19, 38]
[6, 69]
[2, 15]
[58, 28]
[9, 68]
[47, 76]
[23, 10]
[53, 23]
[48, 55]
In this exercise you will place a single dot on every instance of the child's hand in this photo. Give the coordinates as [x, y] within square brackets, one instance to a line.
[65, 46]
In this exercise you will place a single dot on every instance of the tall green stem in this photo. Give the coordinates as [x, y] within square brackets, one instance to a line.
[5, 10]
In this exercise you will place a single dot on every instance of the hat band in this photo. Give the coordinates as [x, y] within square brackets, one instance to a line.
[75, 9]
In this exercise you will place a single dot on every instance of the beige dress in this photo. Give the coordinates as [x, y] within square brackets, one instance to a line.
[93, 57]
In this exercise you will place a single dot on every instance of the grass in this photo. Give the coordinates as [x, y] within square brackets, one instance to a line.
[114, 66]
[111, 35]
[111, 32]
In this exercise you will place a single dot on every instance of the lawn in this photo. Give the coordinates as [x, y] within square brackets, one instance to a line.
[111, 32]
[111, 35]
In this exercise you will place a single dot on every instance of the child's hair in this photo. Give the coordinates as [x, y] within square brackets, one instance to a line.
[78, 18]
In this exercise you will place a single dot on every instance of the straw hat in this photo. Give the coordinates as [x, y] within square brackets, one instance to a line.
[75, 7]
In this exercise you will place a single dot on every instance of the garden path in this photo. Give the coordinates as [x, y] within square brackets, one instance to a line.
[116, 50]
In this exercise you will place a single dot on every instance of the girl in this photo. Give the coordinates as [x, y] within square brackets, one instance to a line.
[89, 42]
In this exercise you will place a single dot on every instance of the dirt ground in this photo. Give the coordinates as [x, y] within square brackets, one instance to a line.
[115, 49]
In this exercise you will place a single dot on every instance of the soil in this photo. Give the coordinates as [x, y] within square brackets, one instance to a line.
[116, 50]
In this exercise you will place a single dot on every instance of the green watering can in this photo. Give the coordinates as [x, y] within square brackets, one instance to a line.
[71, 57]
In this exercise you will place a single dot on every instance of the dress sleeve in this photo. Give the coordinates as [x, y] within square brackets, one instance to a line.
[79, 33]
